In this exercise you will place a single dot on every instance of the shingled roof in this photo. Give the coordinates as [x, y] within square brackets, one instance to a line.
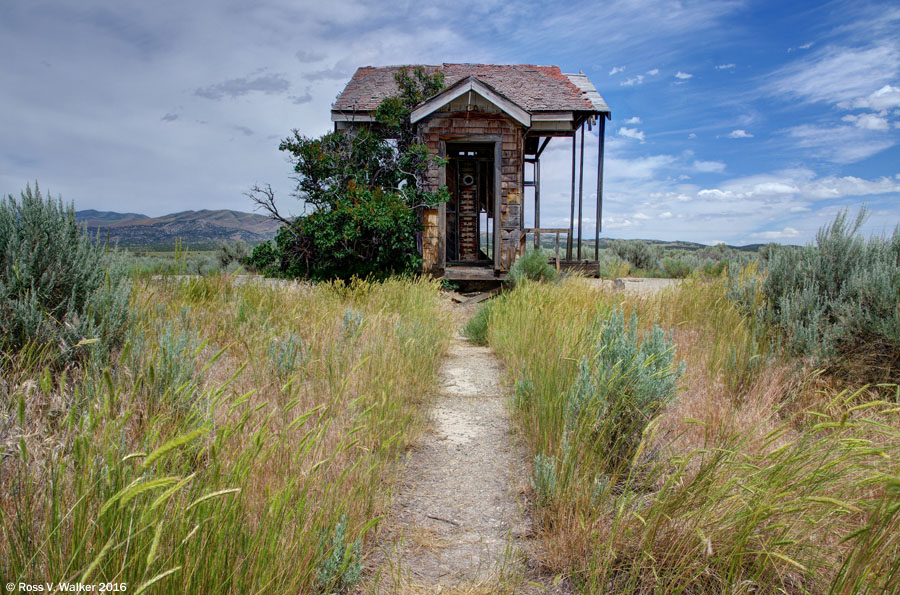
[533, 88]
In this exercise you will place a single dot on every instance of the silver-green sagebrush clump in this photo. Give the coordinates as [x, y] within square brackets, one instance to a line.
[626, 383]
[60, 290]
[834, 301]
[341, 569]
[532, 265]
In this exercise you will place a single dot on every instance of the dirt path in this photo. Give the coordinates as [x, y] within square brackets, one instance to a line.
[458, 521]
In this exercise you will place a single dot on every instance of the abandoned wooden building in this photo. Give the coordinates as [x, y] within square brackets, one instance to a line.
[492, 123]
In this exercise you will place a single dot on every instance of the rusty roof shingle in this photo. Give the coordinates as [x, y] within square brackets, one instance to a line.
[533, 88]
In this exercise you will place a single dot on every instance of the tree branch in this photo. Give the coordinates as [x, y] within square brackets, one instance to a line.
[264, 198]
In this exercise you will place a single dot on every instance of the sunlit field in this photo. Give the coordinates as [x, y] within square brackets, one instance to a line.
[243, 439]
[756, 474]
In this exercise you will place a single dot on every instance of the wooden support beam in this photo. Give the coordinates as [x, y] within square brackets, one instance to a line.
[580, 189]
[572, 208]
[601, 132]
[537, 198]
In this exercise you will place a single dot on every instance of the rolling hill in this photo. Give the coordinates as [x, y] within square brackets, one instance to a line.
[197, 229]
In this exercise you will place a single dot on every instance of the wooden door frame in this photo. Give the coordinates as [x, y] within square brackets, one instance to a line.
[463, 139]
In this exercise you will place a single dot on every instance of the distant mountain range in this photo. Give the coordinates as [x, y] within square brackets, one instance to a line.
[196, 229]
[587, 245]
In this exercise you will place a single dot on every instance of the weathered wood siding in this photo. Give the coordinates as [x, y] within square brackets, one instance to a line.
[444, 127]
[430, 241]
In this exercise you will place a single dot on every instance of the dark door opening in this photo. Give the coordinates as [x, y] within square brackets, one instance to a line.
[470, 211]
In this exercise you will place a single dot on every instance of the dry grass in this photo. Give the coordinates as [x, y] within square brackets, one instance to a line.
[239, 432]
[756, 479]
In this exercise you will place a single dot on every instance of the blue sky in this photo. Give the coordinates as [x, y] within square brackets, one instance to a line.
[732, 121]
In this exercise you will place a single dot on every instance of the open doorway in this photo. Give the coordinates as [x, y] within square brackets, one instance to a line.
[470, 211]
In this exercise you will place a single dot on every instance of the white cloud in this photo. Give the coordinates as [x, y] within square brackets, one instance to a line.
[715, 193]
[642, 216]
[633, 120]
[666, 215]
[724, 66]
[692, 135]
[800, 183]
[739, 133]
[653, 72]
[616, 69]
[632, 81]
[709, 166]
[631, 133]
[683, 75]
[885, 98]
[867, 121]
[787, 232]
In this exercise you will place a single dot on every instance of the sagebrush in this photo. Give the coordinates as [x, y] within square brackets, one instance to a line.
[61, 291]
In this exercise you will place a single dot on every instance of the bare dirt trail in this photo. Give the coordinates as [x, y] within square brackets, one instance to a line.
[459, 521]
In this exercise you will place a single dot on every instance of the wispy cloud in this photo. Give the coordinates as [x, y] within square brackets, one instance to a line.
[170, 117]
[236, 87]
[616, 69]
[307, 56]
[725, 66]
[632, 81]
[805, 46]
[633, 120]
[683, 75]
[653, 72]
[709, 166]
[839, 75]
[301, 99]
[739, 133]
[838, 144]
[338, 73]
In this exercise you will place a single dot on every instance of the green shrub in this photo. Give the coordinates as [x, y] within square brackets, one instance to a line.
[532, 265]
[680, 267]
[265, 258]
[364, 188]
[232, 253]
[613, 267]
[58, 288]
[638, 253]
[836, 301]
[628, 381]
